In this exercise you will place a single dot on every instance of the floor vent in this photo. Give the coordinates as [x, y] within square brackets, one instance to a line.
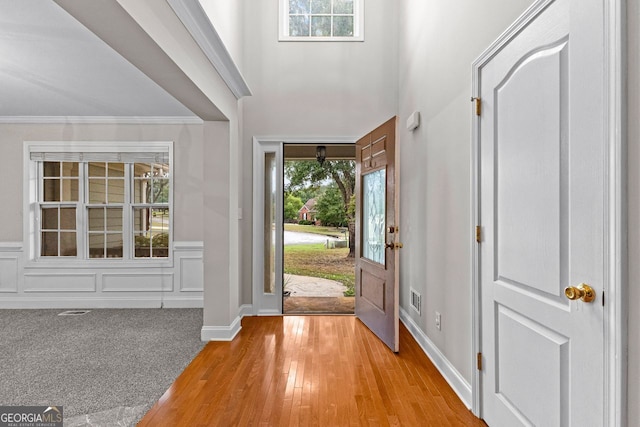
[73, 313]
[415, 300]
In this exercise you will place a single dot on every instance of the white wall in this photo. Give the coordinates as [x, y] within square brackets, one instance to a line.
[226, 17]
[313, 89]
[220, 190]
[633, 160]
[438, 42]
[188, 167]
[178, 283]
[175, 62]
[437, 45]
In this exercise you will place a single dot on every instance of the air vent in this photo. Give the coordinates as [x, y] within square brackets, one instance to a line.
[73, 313]
[415, 300]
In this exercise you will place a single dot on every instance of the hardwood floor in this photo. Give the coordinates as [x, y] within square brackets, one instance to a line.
[309, 371]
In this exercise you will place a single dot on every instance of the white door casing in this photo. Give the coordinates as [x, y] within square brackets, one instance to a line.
[267, 155]
[546, 163]
[270, 303]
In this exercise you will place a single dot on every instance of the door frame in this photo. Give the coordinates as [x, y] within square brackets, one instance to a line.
[262, 145]
[615, 323]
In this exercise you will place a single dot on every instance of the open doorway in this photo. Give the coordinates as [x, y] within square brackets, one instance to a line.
[319, 229]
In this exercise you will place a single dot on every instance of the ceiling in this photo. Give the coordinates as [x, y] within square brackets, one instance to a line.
[52, 66]
[308, 151]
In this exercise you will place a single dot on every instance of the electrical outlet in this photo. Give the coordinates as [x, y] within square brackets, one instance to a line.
[438, 324]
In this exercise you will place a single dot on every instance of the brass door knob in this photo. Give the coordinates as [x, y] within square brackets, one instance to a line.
[582, 291]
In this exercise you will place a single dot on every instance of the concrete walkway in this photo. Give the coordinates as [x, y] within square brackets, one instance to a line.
[304, 286]
[297, 238]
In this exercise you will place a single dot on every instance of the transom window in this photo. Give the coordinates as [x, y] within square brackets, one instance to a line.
[318, 20]
[101, 205]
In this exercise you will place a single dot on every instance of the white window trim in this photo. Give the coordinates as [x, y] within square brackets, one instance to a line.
[30, 202]
[358, 25]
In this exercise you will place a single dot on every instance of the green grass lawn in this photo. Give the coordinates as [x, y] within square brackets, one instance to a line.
[316, 261]
[317, 229]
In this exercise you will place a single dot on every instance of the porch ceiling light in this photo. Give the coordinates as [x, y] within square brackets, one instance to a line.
[321, 154]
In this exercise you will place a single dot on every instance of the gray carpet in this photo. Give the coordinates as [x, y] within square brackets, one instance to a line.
[103, 363]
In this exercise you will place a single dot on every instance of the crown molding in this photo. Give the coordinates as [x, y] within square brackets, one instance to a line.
[195, 20]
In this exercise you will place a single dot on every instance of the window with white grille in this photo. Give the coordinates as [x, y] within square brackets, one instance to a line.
[100, 205]
[321, 20]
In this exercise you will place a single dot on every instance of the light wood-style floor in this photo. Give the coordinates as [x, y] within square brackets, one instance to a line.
[309, 371]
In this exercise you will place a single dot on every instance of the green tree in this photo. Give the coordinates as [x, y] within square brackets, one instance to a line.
[311, 174]
[292, 205]
[330, 208]
[160, 193]
[305, 193]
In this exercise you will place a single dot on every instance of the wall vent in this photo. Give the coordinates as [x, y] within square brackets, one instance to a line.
[416, 300]
[73, 313]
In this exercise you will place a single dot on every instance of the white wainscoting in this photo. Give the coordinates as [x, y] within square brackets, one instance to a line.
[59, 282]
[177, 284]
[137, 282]
[191, 273]
[10, 257]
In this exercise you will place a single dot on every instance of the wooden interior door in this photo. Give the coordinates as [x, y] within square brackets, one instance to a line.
[377, 247]
[543, 202]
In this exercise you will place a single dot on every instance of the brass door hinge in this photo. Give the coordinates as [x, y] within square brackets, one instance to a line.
[478, 102]
[478, 233]
[479, 361]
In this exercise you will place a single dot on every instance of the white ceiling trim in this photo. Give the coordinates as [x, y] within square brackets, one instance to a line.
[327, 140]
[117, 27]
[195, 20]
[177, 120]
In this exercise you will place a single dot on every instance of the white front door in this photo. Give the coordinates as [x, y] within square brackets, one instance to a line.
[542, 145]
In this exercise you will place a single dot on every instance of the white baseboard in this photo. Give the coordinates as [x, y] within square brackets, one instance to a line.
[226, 333]
[221, 333]
[245, 310]
[269, 313]
[457, 382]
[195, 302]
